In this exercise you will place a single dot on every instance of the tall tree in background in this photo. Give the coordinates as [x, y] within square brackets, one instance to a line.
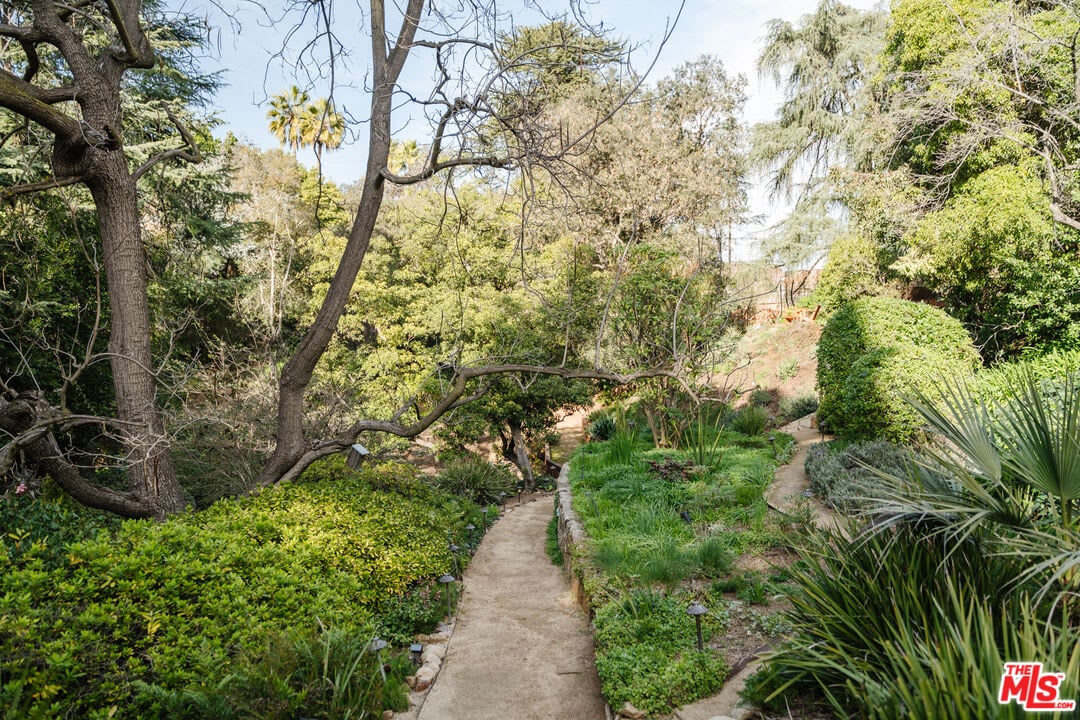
[986, 109]
[287, 117]
[323, 128]
[824, 65]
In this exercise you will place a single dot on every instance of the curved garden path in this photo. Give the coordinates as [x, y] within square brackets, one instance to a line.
[521, 649]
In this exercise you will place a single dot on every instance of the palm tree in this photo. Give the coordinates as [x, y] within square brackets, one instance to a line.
[403, 156]
[286, 116]
[321, 127]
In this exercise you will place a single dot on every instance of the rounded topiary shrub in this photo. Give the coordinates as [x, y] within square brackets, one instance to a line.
[862, 338]
[876, 391]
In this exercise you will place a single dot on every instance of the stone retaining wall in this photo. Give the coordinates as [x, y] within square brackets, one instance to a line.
[571, 534]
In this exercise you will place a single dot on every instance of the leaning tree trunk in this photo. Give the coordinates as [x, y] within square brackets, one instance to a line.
[297, 372]
[521, 455]
[151, 475]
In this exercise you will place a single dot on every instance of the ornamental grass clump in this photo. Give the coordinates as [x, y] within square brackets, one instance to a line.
[972, 560]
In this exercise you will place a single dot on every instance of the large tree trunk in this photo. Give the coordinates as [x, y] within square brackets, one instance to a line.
[296, 375]
[521, 455]
[151, 474]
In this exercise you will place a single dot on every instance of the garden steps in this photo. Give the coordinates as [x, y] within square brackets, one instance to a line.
[522, 648]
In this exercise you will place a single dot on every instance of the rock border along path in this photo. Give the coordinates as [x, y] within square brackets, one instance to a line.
[522, 648]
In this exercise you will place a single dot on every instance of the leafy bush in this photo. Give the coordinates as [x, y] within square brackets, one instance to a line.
[647, 655]
[749, 421]
[841, 477]
[477, 480]
[329, 674]
[876, 392]
[873, 352]
[799, 407]
[153, 607]
[997, 384]
[400, 617]
[38, 530]
[760, 397]
[603, 428]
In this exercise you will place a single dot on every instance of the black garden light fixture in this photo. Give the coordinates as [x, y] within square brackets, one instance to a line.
[454, 551]
[471, 530]
[416, 651]
[502, 497]
[377, 644]
[696, 610]
[520, 489]
[447, 580]
[484, 512]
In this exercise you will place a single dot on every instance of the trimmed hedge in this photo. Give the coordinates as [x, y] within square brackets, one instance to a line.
[152, 607]
[875, 351]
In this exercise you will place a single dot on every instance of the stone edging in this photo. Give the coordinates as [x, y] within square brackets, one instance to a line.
[571, 534]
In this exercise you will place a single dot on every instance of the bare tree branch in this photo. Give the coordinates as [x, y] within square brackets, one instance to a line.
[8, 194]
[190, 152]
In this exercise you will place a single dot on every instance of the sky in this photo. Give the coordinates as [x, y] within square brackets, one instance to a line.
[730, 30]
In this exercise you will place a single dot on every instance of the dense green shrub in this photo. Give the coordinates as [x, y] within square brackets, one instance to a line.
[40, 529]
[749, 421]
[874, 351]
[877, 389]
[419, 610]
[760, 397]
[327, 674]
[646, 653]
[476, 479]
[840, 477]
[997, 384]
[798, 407]
[157, 605]
[603, 428]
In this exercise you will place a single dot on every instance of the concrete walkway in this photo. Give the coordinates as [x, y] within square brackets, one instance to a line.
[521, 649]
[791, 481]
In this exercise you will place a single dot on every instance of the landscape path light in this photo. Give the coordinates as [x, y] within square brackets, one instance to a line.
[377, 644]
[696, 610]
[484, 512]
[454, 551]
[448, 580]
[416, 651]
[471, 529]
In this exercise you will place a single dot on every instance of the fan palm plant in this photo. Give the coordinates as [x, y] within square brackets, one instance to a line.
[321, 127]
[1009, 473]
